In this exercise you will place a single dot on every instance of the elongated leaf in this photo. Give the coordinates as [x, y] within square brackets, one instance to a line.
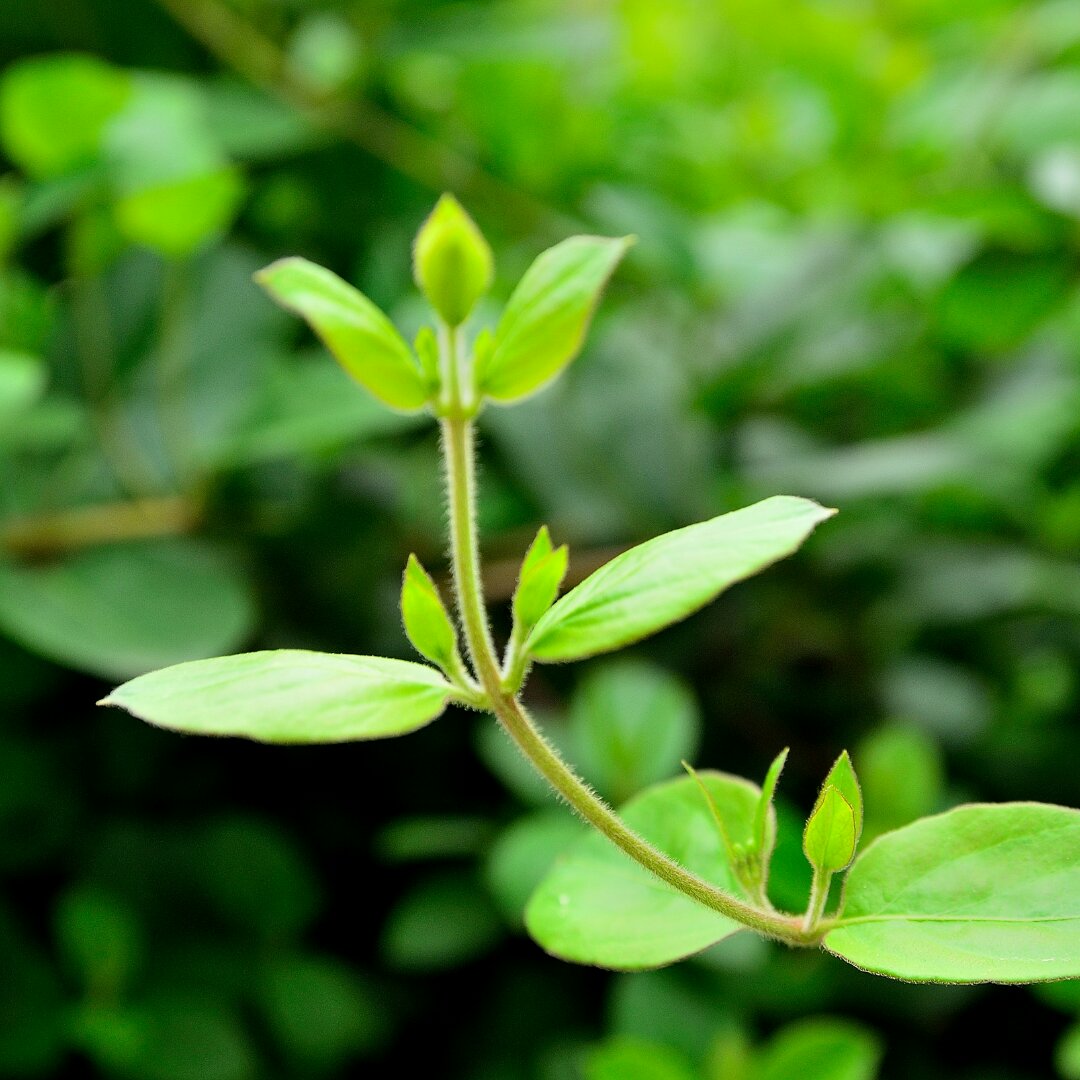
[546, 318]
[542, 572]
[597, 906]
[979, 894]
[764, 842]
[361, 337]
[666, 579]
[288, 696]
[122, 609]
[427, 623]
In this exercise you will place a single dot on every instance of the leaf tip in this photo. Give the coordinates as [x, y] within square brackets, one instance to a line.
[264, 277]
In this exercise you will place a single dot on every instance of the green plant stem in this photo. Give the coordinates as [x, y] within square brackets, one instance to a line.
[819, 896]
[458, 446]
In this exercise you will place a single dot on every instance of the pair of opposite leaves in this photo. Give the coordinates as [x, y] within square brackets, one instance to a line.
[541, 329]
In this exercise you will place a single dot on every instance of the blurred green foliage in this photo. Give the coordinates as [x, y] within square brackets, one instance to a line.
[856, 280]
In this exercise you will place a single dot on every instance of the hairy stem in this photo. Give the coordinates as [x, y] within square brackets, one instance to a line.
[819, 896]
[458, 446]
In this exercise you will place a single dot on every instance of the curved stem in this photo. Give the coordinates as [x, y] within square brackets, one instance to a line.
[458, 445]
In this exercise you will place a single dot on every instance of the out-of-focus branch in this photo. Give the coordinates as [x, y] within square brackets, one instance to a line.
[86, 526]
[257, 58]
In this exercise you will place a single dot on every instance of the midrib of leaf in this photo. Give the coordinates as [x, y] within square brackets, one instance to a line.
[1018, 919]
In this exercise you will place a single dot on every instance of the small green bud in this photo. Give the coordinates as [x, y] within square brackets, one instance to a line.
[829, 839]
[452, 262]
[842, 777]
[427, 623]
[541, 575]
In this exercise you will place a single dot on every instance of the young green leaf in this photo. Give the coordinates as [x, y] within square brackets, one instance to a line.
[548, 315]
[288, 696]
[54, 110]
[842, 777]
[538, 584]
[829, 839]
[982, 893]
[452, 262]
[361, 337]
[764, 816]
[597, 906]
[665, 579]
[426, 620]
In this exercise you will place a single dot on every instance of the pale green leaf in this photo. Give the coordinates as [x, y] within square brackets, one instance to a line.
[288, 696]
[361, 337]
[822, 1048]
[764, 839]
[983, 893]
[667, 578]
[174, 218]
[598, 906]
[542, 572]
[122, 609]
[427, 623]
[173, 187]
[548, 315]
[54, 110]
[829, 839]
